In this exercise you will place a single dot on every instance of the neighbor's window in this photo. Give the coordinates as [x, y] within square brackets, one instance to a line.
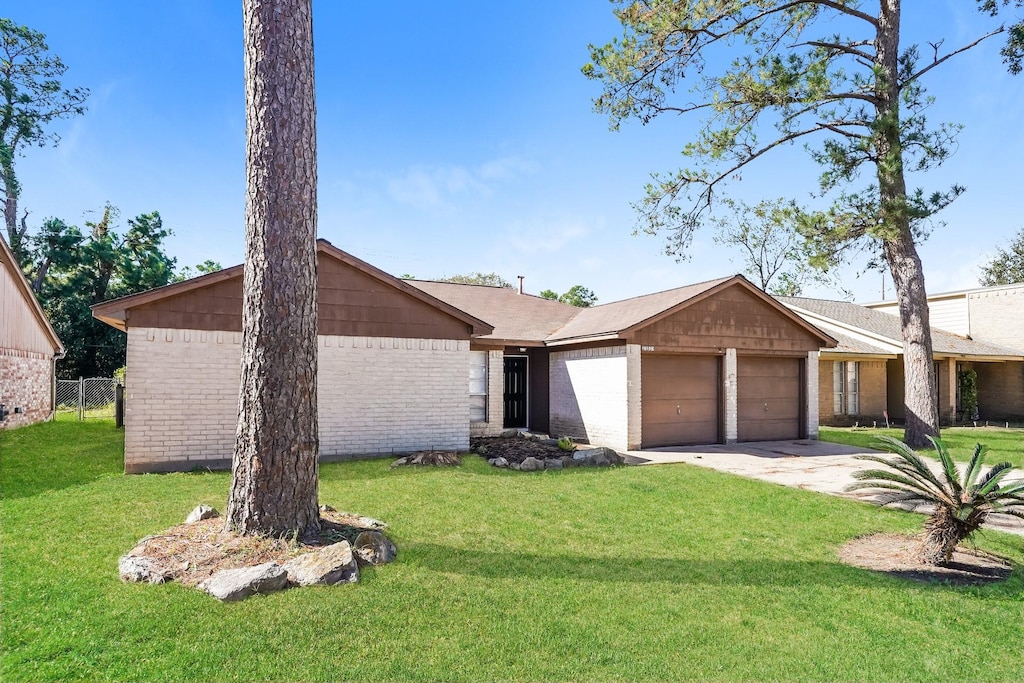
[846, 387]
[478, 386]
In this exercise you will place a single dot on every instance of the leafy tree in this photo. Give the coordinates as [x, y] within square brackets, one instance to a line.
[31, 97]
[71, 270]
[775, 255]
[768, 73]
[578, 296]
[1007, 266]
[961, 502]
[274, 472]
[187, 273]
[489, 279]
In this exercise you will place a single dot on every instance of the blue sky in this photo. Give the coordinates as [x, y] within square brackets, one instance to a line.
[458, 136]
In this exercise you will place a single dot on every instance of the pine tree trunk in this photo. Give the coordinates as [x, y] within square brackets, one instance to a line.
[274, 470]
[922, 414]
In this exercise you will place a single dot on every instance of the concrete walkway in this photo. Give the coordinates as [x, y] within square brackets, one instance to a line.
[803, 464]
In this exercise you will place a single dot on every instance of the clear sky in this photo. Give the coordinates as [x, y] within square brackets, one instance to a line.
[458, 136]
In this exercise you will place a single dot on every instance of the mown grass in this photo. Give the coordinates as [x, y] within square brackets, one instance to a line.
[628, 574]
[1004, 445]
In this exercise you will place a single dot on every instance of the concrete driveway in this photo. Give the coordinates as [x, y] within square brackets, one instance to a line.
[804, 464]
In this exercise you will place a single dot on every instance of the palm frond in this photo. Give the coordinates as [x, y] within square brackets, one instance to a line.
[990, 481]
[974, 466]
[949, 467]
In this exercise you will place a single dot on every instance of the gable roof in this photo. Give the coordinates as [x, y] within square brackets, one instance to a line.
[530, 320]
[517, 318]
[113, 312]
[21, 284]
[868, 328]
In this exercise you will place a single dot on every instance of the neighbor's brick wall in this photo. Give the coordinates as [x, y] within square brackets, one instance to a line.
[1000, 390]
[589, 395]
[375, 396]
[25, 382]
[998, 317]
[495, 397]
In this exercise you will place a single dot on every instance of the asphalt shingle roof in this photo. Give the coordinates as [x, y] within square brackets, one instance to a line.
[888, 326]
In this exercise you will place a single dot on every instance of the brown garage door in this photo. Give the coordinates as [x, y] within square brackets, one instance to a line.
[768, 393]
[680, 400]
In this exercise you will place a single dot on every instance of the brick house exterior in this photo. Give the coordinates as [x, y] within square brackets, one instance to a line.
[410, 365]
[861, 380]
[29, 347]
[393, 366]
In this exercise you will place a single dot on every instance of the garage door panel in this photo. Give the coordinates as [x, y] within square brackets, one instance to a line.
[768, 398]
[680, 400]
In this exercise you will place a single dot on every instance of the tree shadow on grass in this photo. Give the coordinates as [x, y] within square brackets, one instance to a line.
[752, 572]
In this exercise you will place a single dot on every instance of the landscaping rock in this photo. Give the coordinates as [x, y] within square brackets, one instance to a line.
[553, 464]
[238, 584]
[498, 462]
[374, 548]
[531, 464]
[510, 433]
[201, 512]
[549, 442]
[567, 461]
[138, 569]
[600, 459]
[515, 466]
[327, 566]
[584, 454]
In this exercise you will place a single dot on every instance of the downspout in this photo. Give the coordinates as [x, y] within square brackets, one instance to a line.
[53, 383]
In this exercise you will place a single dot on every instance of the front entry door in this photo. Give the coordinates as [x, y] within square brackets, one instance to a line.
[515, 392]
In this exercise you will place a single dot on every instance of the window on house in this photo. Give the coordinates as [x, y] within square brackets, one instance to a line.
[846, 387]
[478, 386]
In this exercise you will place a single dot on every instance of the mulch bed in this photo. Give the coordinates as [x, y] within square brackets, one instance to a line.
[515, 449]
[893, 554]
[195, 552]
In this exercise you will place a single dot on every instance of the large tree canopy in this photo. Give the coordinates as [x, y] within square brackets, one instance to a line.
[828, 73]
[71, 270]
[31, 97]
[1007, 266]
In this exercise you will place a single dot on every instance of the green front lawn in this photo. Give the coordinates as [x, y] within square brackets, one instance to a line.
[638, 573]
[1004, 445]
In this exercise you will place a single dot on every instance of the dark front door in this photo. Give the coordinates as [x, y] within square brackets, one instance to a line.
[515, 391]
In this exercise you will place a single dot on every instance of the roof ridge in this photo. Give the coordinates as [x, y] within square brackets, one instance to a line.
[664, 291]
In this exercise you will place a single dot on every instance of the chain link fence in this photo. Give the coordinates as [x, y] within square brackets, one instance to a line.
[85, 398]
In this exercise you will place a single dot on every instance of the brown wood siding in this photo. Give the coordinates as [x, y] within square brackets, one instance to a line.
[732, 318]
[20, 329]
[350, 302]
[769, 398]
[681, 400]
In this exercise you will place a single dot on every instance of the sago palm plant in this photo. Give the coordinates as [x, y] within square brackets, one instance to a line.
[961, 501]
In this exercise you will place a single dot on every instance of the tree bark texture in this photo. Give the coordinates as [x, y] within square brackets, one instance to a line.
[274, 469]
[898, 242]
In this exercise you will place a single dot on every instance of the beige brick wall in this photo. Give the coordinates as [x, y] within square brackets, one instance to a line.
[375, 396]
[25, 382]
[1000, 390]
[998, 316]
[495, 397]
[589, 395]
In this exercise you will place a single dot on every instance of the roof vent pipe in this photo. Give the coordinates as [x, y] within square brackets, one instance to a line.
[521, 278]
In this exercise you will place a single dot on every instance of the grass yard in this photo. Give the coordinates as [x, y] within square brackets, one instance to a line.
[1004, 445]
[629, 574]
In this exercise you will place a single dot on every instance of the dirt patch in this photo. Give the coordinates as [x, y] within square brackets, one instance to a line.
[192, 553]
[893, 554]
[516, 449]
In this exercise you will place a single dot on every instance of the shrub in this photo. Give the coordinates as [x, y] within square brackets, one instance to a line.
[962, 502]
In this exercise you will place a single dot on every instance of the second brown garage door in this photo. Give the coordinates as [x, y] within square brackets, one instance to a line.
[769, 398]
[680, 400]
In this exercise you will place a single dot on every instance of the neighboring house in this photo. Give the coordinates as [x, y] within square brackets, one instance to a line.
[408, 365]
[29, 348]
[992, 314]
[862, 378]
